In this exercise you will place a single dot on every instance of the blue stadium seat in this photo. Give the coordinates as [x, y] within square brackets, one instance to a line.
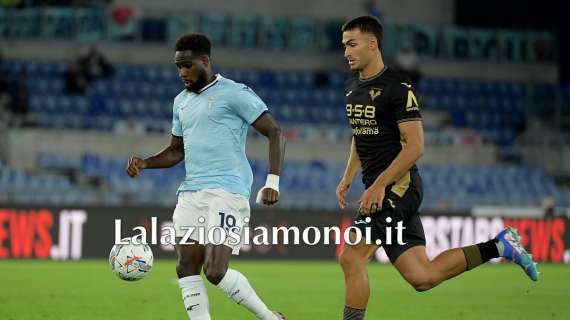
[291, 95]
[337, 80]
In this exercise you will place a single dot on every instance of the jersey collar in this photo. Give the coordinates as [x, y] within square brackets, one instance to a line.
[218, 77]
[374, 76]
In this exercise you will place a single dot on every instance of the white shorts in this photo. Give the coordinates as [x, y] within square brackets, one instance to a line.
[209, 213]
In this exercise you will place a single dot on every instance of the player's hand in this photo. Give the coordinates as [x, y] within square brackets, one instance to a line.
[269, 196]
[341, 191]
[135, 166]
[371, 200]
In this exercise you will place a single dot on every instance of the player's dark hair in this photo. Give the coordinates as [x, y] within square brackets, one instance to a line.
[366, 24]
[198, 43]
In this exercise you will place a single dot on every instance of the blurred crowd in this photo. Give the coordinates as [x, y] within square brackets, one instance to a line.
[14, 97]
[14, 94]
[89, 66]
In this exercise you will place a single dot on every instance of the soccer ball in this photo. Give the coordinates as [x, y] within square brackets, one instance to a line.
[131, 262]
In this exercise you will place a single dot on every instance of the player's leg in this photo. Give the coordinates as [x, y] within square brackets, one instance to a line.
[353, 259]
[190, 257]
[232, 282]
[188, 268]
[423, 274]
[411, 260]
[410, 257]
[216, 262]
[230, 211]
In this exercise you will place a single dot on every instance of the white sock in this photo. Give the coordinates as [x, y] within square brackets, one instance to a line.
[195, 297]
[236, 286]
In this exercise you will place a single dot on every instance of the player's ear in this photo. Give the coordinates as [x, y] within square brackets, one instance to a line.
[372, 43]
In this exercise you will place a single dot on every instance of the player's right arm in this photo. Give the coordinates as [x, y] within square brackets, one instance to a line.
[352, 167]
[170, 156]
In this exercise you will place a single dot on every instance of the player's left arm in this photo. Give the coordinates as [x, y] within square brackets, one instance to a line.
[268, 127]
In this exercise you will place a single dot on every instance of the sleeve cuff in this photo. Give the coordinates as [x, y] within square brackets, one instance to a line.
[254, 120]
[409, 119]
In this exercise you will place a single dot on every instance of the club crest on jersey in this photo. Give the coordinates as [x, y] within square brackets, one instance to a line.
[374, 93]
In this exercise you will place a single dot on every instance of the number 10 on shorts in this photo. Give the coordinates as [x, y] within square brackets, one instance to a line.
[227, 221]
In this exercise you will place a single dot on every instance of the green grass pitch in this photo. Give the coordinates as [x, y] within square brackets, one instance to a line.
[302, 290]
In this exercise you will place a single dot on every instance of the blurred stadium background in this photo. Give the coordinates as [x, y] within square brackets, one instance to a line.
[85, 84]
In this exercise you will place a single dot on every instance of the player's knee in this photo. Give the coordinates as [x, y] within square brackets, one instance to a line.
[344, 259]
[187, 267]
[423, 286]
[183, 271]
[348, 261]
[214, 273]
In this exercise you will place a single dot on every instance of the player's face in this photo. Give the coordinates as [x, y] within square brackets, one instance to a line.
[191, 69]
[357, 49]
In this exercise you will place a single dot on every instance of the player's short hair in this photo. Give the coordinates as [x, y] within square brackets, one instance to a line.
[366, 24]
[198, 43]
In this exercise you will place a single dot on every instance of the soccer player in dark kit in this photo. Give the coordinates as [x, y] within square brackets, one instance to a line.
[384, 113]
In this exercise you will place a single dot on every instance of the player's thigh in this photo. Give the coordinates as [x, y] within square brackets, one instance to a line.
[188, 216]
[413, 264]
[185, 217]
[358, 253]
[402, 240]
[228, 216]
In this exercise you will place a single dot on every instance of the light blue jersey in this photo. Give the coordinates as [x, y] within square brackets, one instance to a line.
[214, 124]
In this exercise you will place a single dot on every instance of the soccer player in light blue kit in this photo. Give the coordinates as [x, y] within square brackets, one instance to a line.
[211, 117]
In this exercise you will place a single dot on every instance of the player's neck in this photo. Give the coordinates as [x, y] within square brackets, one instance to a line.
[210, 76]
[375, 67]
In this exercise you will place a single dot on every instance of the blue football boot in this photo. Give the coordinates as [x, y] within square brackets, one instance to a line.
[510, 248]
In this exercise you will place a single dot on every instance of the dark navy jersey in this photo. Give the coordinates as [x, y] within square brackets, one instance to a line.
[374, 108]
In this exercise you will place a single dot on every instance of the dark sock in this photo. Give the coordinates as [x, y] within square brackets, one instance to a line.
[480, 253]
[353, 314]
[488, 250]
